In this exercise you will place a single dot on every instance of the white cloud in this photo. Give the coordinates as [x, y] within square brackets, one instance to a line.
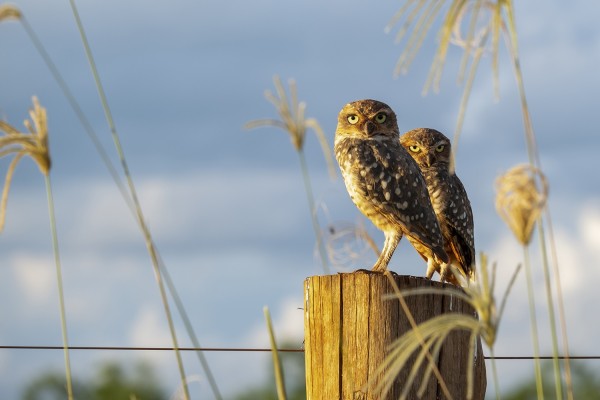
[589, 221]
[35, 275]
[577, 249]
[288, 324]
[149, 329]
[212, 205]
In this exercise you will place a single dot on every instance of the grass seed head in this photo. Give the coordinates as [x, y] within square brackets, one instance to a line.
[8, 12]
[293, 120]
[521, 195]
[33, 143]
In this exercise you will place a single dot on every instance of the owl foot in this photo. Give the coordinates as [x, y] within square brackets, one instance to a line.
[367, 271]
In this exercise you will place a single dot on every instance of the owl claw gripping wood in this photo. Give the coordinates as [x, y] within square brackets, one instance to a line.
[384, 181]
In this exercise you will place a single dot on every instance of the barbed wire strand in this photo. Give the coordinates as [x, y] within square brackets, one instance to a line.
[246, 349]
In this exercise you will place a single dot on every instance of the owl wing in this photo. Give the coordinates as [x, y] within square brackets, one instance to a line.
[393, 183]
[458, 227]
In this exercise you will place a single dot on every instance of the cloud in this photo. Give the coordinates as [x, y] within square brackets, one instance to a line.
[215, 206]
[577, 248]
[35, 275]
[589, 220]
[288, 324]
[149, 329]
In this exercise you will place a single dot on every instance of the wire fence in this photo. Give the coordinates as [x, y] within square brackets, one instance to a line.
[252, 349]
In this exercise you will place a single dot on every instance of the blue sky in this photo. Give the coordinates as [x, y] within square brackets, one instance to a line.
[227, 206]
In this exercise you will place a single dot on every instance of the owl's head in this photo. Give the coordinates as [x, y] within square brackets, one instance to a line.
[427, 146]
[367, 119]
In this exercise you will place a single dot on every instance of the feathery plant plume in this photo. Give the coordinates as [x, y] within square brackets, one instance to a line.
[521, 195]
[11, 11]
[480, 296]
[520, 200]
[279, 381]
[35, 145]
[487, 19]
[483, 21]
[293, 121]
[8, 12]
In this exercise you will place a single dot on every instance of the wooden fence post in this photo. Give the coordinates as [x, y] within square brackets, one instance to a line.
[348, 328]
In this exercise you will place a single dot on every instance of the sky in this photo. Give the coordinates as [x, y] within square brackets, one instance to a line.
[227, 206]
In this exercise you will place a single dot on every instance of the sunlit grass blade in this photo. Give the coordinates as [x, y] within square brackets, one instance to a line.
[59, 280]
[431, 333]
[535, 161]
[134, 197]
[421, 340]
[116, 178]
[434, 332]
[533, 322]
[561, 309]
[190, 329]
[551, 314]
[279, 380]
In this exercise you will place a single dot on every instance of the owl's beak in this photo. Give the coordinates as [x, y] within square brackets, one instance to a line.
[429, 159]
[369, 128]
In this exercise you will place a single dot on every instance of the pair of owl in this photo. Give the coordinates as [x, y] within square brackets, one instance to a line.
[404, 186]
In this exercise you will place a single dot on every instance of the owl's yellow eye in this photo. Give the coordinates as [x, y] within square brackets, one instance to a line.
[440, 148]
[380, 118]
[414, 148]
[353, 119]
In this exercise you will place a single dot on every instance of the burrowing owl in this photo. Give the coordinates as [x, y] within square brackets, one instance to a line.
[384, 181]
[431, 150]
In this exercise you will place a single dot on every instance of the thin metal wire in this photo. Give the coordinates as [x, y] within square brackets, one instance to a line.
[128, 348]
[248, 349]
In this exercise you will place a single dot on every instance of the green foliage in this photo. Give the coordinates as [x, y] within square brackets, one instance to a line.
[295, 383]
[586, 384]
[112, 382]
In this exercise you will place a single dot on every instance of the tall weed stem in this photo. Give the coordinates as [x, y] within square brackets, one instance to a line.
[134, 197]
[59, 280]
[533, 321]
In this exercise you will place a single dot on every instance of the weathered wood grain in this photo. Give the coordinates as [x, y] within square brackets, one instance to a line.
[349, 328]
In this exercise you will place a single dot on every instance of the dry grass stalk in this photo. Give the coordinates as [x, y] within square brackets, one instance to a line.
[33, 143]
[419, 16]
[278, 368]
[485, 323]
[482, 20]
[521, 195]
